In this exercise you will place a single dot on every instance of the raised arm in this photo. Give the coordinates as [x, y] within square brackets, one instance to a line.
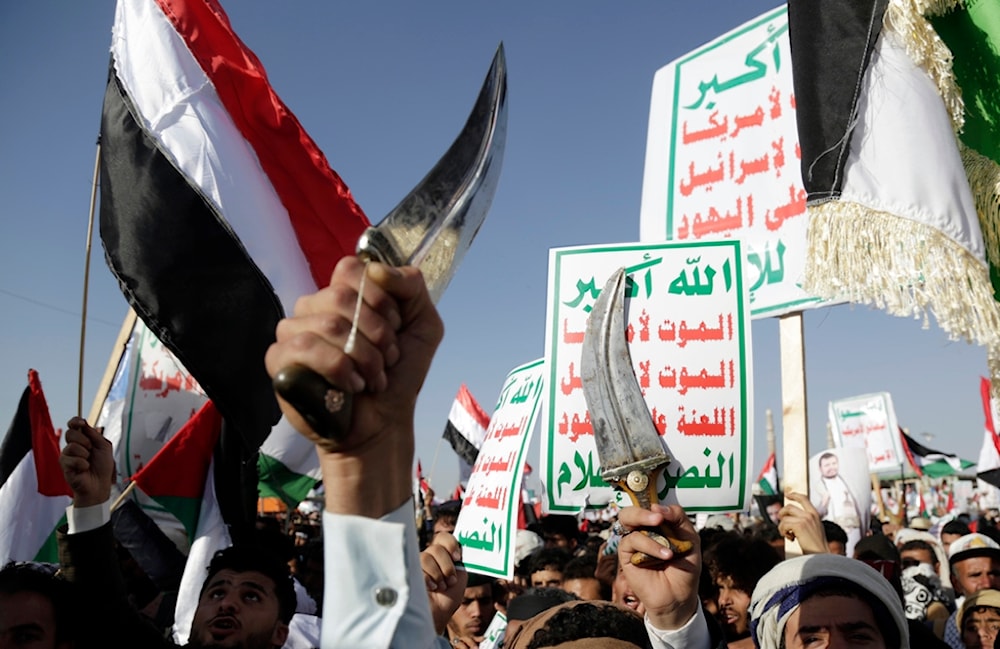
[375, 594]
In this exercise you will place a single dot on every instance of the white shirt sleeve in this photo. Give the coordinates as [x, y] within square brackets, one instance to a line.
[374, 594]
[84, 519]
[693, 635]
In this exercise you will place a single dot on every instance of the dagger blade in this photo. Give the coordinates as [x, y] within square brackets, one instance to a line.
[431, 228]
[434, 225]
[624, 432]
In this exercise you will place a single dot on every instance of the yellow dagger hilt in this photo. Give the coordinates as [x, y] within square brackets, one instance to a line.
[641, 489]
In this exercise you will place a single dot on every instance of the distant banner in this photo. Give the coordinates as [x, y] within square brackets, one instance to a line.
[151, 397]
[722, 159]
[689, 337]
[869, 422]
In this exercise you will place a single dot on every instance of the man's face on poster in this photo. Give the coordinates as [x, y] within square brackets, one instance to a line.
[828, 466]
[772, 511]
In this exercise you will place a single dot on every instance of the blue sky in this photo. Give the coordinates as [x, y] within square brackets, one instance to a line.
[383, 88]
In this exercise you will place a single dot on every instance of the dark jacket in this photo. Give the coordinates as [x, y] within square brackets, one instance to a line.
[89, 560]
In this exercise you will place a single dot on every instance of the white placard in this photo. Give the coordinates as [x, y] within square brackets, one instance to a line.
[689, 333]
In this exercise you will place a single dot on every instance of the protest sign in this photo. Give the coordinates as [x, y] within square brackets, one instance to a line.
[722, 158]
[488, 521]
[689, 336]
[869, 422]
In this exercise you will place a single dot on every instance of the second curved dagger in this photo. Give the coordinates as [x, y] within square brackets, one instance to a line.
[631, 452]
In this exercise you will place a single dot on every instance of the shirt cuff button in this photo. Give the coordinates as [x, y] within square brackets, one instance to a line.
[385, 596]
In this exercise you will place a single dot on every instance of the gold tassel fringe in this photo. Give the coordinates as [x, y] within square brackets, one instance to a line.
[905, 268]
[984, 180]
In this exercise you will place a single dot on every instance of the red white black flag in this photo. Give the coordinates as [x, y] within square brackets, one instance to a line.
[217, 209]
[467, 424]
[988, 469]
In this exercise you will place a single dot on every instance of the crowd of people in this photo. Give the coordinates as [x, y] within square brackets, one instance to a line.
[380, 574]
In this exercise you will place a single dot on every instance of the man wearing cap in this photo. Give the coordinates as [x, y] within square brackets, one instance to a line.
[979, 619]
[975, 566]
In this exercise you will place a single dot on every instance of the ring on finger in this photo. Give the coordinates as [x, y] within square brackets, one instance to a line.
[620, 529]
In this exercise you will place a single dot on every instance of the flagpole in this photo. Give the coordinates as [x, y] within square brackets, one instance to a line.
[86, 276]
[877, 488]
[125, 494]
[437, 449]
[109, 372]
[769, 429]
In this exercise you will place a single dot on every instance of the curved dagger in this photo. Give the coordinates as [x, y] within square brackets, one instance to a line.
[631, 452]
[432, 228]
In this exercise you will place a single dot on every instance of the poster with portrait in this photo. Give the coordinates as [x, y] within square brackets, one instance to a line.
[840, 488]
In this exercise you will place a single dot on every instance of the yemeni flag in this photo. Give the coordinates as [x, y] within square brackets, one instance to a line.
[988, 469]
[175, 477]
[893, 220]
[928, 462]
[33, 493]
[466, 429]
[768, 478]
[217, 208]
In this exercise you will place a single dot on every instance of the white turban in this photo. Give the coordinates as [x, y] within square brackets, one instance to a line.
[780, 591]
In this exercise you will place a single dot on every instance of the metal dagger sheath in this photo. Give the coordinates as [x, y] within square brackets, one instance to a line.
[631, 452]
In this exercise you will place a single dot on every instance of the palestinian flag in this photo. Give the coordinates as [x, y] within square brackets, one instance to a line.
[421, 486]
[988, 469]
[922, 504]
[288, 467]
[175, 477]
[768, 478]
[928, 462]
[466, 428]
[217, 208]
[33, 493]
[152, 396]
[893, 220]
[211, 536]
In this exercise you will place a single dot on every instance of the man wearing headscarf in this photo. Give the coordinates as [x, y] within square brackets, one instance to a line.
[838, 600]
[826, 597]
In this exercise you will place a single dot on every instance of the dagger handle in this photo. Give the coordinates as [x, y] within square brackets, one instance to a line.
[326, 408]
[643, 496]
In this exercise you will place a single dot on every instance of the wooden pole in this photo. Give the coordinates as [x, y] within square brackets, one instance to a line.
[86, 277]
[109, 372]
[434, 462]
[794, 416]
[769, 422]
[125, 494]
[877, 488]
